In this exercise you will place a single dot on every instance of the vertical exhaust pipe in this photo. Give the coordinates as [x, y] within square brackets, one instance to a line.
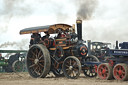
[117, 45]
[79, 29]
[89, 47]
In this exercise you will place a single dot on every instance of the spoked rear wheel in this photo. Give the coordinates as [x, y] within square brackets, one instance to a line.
[120, 72]
[90, 71]
[105, 71]
[72, 67]
[38, 61]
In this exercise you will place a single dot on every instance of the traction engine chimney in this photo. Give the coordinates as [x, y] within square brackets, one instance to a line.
[79, 29]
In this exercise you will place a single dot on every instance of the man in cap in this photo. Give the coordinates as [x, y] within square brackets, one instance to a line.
[35, 38]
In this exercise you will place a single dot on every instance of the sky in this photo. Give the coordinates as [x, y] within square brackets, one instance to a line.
[103, 20]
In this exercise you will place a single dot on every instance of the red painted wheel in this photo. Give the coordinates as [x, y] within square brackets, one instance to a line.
[105, 71]
[120, 72]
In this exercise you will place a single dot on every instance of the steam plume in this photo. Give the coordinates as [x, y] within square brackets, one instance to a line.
[86, 9]
[21, 45]
[6, 44]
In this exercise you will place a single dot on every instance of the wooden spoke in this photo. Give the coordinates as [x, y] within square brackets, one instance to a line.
[75, 69]
[39, 53]
[67, 65]
[39, 69]
[35, 70]
[41, 65]
[34, 54]
[67, 69]
[74, 64]
[41, 61]
[73, 73]
[41, 57]
[69, 72]
[32, 65]
[70, 62]
[31, 59]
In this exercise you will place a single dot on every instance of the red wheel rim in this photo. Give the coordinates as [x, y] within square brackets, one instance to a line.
[119, 72]
[103, 71]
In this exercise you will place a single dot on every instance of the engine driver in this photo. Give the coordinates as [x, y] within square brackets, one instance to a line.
[45, 36]
[35, 38]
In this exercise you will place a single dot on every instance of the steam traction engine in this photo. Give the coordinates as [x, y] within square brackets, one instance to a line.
[117, 63]
[64, 54]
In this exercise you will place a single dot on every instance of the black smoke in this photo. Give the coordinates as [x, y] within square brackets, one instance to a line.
[86, 8]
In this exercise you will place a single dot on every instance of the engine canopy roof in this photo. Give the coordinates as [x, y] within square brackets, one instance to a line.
[51, 29]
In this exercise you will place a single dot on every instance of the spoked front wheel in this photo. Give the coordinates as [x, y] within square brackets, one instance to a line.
[72, 67]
